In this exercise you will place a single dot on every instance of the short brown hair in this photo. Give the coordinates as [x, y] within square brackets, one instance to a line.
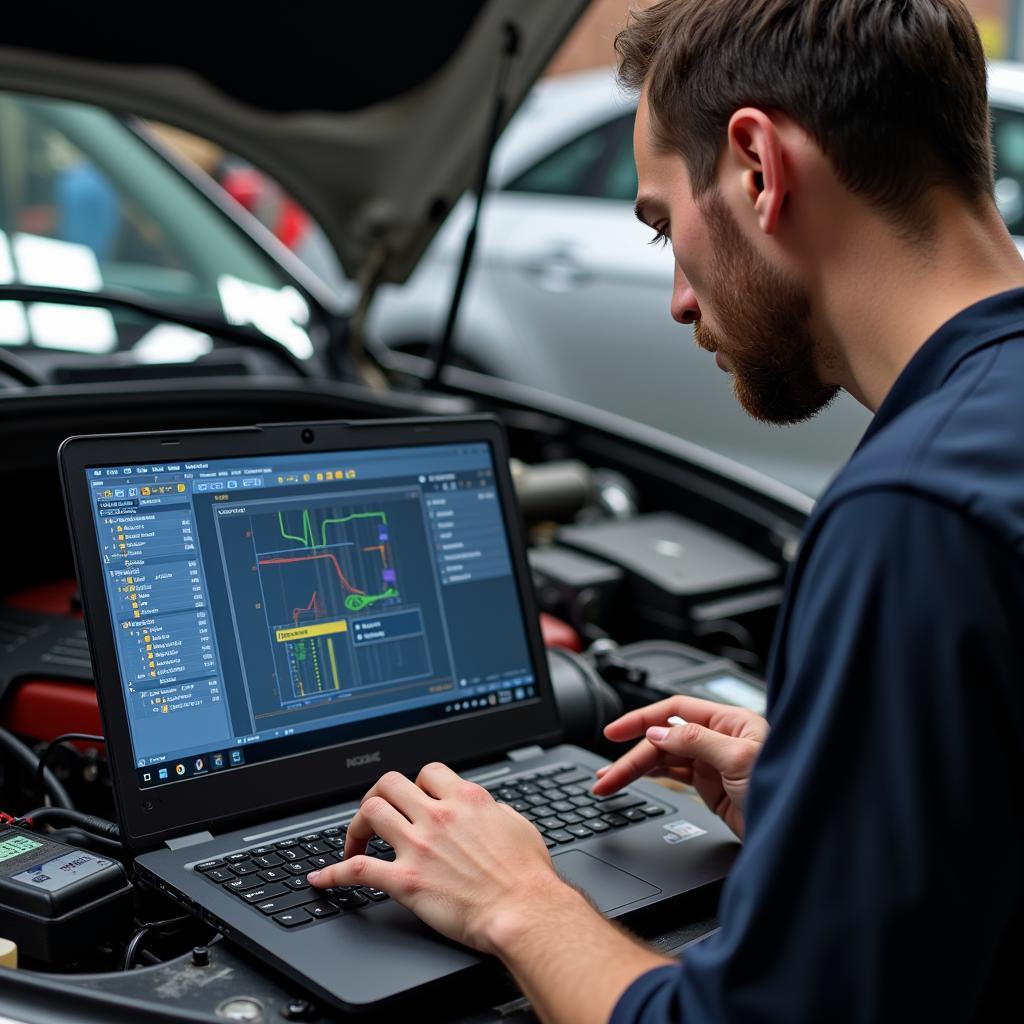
[893, 91]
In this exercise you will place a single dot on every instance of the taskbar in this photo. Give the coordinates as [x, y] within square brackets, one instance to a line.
[226, 758]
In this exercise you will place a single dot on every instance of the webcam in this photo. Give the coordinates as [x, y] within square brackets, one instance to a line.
[308, 436]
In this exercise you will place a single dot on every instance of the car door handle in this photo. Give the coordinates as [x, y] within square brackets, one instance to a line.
[558, 270]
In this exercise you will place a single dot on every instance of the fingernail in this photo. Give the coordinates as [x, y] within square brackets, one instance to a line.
[601, 771]
[312, 877]
[656, 733]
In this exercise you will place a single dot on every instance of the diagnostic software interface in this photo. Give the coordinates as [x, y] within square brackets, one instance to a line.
[272, 605]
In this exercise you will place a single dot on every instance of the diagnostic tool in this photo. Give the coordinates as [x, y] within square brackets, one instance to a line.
[57, 901]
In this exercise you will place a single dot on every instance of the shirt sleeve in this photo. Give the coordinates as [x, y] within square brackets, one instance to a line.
[881, 875]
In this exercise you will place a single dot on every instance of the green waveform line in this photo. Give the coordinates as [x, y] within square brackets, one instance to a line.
[357, 602]
[308, 537]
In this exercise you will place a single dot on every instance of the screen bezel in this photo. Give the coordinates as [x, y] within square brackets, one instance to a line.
[264, 789]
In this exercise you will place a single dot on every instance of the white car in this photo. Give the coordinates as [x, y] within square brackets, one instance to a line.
[565, 295]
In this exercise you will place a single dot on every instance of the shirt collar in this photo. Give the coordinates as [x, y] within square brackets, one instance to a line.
[986, 322]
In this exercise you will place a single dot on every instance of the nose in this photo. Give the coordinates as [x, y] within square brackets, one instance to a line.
[685, 307]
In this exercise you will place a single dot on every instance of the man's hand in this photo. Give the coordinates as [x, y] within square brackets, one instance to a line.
[464, 863]
[715, 751]
[479, 872]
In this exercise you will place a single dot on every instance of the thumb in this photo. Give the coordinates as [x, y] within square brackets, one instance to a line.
[728, 755]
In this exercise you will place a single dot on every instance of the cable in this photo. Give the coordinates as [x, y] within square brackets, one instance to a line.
[51, 785]
[90, 841]
[66, 816]
[44, 756]
[137, 939]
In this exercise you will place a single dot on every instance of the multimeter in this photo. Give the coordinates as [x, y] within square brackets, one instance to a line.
[57, 901]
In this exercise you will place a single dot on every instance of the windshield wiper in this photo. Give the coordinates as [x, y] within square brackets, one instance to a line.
[246, 334]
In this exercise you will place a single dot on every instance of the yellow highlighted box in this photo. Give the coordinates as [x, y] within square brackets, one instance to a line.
[303, 632]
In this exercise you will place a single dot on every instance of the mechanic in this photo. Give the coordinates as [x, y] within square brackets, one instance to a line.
[823, 172]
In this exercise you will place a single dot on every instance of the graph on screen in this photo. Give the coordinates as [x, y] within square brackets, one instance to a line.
[331, 587]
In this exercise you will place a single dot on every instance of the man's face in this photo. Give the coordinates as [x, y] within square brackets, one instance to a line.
[747, 310]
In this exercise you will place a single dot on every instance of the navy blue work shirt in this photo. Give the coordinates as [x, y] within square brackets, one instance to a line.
[881, 878]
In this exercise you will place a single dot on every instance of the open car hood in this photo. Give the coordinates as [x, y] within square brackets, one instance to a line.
[374, 117]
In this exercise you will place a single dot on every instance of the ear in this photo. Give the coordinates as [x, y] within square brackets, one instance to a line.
[755, 151]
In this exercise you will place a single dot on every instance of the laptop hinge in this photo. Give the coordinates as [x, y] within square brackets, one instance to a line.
[525, 753]
[180, 842]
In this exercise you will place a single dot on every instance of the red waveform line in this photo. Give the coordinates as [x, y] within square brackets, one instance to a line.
[313, 606]
[313, 558]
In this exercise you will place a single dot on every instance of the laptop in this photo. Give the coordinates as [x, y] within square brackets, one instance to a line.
[278, 615]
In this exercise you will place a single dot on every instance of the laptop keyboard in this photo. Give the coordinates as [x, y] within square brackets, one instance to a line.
[271, 878]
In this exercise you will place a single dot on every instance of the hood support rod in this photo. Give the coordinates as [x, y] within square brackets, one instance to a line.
[445, 347]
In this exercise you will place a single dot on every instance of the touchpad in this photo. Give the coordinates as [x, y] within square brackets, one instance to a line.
[608, 887]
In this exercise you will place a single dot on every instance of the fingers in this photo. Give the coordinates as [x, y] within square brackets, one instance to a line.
[628, 768]
[693, 709]
[439, 781]
[376, 816]
[379, 874]
[731, 756]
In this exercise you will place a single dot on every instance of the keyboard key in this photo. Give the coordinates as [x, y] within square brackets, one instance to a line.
[288, 901]
[298, 867]
[261, 851]
[520, 806]
[298, 882]
[549, 842]
[334, 830]
[245, 867]
[219, 875]
[292, 854]
[563, 805]
[209, 865]
[596, 825]
[634, 814]
[335, 844]
[545, 784]
[268, 860]
[543, 810]
[374, 894]
[579, 831]
[536, 799]
[615, 820]
[243, 883]
[586, 813]
[571, 819]
[322, 908]
[349, 900]
[550, 822]
[577, 775]
[264, 892]
[235, 858]
[291, 918]
[274, 875]
[286, 844]
[321, 861]
[312, 837]
[652, 810]
[381, 844]
[560, 836]
[314, 847]
[573, 791]
[621, 802]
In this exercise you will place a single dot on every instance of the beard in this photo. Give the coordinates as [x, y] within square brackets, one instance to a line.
[764, 327]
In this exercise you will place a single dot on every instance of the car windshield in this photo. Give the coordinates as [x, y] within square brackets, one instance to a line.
[87, 204]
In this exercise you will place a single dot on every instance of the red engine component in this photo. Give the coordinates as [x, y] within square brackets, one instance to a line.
[43, 709]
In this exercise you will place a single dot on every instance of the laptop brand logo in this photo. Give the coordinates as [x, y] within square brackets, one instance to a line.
[360, 759]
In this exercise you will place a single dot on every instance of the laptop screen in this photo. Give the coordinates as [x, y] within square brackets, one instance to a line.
[270, 606]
